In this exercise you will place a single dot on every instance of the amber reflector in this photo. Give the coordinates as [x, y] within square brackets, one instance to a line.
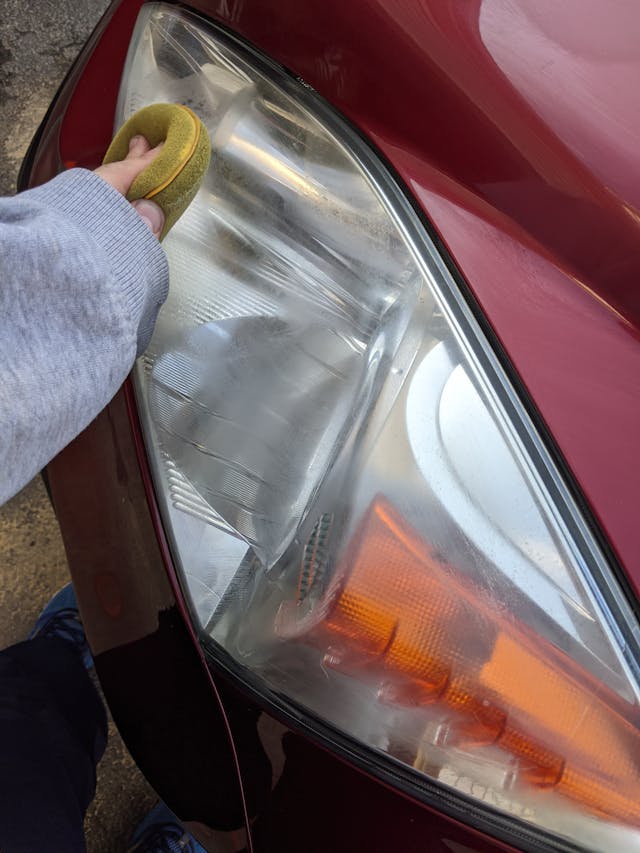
[428, 635]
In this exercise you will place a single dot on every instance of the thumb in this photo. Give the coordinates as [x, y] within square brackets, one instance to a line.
[151, 214]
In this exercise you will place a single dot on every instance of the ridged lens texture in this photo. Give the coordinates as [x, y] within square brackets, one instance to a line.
[436, 639]
[362, 513]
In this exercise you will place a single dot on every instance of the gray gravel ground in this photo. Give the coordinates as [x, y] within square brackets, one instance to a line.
[39, 39]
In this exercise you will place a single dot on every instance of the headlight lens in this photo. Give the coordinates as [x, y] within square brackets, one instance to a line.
[363, 515]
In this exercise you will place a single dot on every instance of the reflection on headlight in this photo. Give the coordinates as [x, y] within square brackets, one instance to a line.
[364, 516]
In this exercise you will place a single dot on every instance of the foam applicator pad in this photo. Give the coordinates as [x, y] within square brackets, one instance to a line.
[173, 178]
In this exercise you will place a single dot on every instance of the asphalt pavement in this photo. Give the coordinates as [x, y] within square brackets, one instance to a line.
[38, 43]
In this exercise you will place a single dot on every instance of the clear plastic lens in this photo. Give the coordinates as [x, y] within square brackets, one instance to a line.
[281, 324]
[358, 505]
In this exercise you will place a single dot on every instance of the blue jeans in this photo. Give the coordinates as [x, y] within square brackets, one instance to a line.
[53, 732]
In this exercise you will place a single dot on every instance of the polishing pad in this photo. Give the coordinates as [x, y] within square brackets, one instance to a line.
[173, 178]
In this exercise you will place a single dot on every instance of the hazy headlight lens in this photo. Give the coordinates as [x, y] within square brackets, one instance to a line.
[363, 515]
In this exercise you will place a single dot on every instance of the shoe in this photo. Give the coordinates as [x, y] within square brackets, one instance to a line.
[162, 832]
[60, 618]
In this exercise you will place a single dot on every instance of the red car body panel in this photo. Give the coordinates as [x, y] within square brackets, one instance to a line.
[514, 127]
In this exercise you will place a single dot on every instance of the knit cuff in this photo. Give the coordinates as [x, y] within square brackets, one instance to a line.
[136, 259]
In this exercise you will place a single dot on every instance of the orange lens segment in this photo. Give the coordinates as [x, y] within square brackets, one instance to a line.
[428, 635]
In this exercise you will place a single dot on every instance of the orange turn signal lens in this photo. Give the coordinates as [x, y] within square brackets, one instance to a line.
[402, 615]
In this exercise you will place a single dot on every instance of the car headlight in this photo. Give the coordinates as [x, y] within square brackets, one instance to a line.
[364, 517]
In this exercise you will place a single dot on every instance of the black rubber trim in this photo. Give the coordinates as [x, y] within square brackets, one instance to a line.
[27, 162]
[534, 413]
[417, 787]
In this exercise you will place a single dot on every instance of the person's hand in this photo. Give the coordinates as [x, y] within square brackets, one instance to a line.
[122, 174]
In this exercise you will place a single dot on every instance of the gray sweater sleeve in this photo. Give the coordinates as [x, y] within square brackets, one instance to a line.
[81, 282]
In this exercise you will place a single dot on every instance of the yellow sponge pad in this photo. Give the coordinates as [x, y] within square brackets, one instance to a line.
[174, 176]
